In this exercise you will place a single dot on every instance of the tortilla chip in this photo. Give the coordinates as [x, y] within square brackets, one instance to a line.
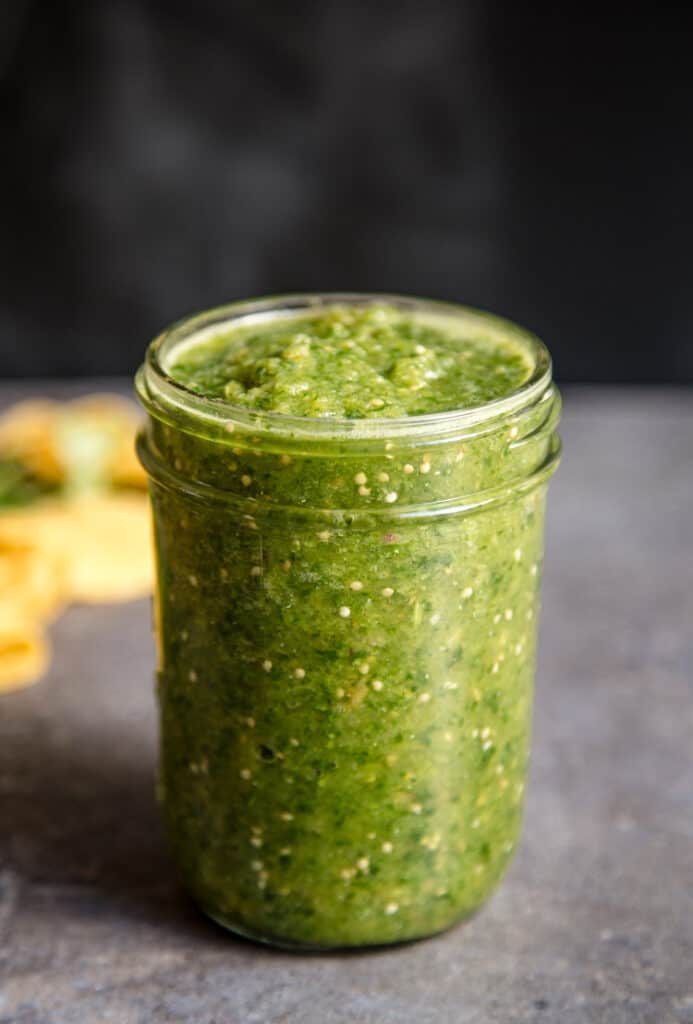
[32, 579]
[24, 653]
[96, 439]
[113, 558]
[27, 433]
[103, 542]
[86, 443]
[126, 469]
[94, 546]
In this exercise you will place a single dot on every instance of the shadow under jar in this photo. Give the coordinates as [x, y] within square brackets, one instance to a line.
[346, 617]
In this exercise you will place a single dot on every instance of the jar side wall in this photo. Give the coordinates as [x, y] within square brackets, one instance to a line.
[357, 478]
[345, 714]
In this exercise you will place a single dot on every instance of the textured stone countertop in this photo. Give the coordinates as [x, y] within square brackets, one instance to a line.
[594, 923]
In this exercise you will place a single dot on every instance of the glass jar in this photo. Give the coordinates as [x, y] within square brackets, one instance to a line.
[346, 616]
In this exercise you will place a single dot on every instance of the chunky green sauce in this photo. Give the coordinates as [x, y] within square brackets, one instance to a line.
[353, 363]
[345, 695]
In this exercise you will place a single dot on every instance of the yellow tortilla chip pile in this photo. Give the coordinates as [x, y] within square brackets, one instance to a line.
[88, 542]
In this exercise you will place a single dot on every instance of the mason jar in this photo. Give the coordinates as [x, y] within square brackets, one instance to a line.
[346, 617]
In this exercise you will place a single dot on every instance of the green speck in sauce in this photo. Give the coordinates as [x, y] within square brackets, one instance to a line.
[345, 690]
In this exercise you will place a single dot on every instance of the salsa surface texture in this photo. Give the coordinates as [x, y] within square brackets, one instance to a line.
[346, 690]
[353, 363]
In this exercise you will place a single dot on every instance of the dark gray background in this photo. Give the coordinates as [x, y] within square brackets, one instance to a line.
[161, 156]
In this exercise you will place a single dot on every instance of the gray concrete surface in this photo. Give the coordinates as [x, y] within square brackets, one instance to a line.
[594, 924]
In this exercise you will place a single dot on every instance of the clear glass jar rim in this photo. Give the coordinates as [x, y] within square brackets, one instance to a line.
[156, 385]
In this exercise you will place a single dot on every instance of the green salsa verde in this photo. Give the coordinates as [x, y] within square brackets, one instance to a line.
[356, 363]
[346, 611]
